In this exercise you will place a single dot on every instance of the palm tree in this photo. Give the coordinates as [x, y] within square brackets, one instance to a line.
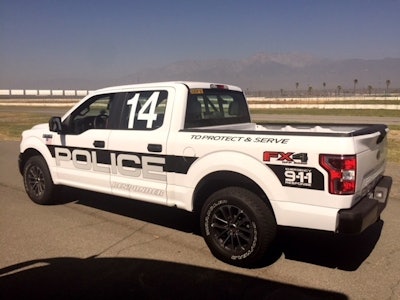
[355, 83]
[369, 90]
[324, 86]
[310, 90]
[297, 86]
[339, 88]
[387, 85]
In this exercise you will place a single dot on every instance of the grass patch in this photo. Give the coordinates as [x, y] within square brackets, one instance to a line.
[394, 146]
[12, 124]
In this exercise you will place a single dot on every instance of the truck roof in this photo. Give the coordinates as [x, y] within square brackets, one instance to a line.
[189, 84]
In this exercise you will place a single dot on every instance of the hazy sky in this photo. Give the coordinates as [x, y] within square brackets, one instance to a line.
[105, 39]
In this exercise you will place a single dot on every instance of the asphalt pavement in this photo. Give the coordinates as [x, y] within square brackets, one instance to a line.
[98, 246]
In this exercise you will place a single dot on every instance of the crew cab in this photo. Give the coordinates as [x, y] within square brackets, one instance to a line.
[192, 145]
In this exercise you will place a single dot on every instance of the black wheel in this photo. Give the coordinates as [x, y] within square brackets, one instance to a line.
[37, 180]
[237, 226]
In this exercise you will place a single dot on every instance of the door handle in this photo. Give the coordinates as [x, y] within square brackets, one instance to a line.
[154, 147]
[99, 144]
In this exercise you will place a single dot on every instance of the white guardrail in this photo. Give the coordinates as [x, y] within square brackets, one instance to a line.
[68, 97]
[319, 102]
[45, 93]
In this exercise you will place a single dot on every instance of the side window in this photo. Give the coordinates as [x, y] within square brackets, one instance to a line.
[93, 114]
[144, 110]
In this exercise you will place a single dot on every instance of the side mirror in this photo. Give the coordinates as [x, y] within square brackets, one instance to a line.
[55, 124]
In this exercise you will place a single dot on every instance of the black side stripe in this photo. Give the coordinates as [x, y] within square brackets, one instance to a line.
[173, 163]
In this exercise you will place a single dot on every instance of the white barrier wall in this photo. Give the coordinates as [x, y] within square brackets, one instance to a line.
[57, 92]
[17, 92]
[81, 93]
[69, 93]
[45, 93]
[31, 92]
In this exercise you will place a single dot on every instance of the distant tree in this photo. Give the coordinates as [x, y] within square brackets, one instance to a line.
[355, 81]
[369, 90]
[324, 86]
[297, 87]
[339, 88]
[282, 92]
[387, 85]
[310, 90]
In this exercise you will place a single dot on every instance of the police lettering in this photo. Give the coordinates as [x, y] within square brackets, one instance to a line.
[149, 167]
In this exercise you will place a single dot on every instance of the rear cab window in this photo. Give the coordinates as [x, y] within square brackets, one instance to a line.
[211, 107]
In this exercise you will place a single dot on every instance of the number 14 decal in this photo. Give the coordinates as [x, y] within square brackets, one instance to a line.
[146, 113]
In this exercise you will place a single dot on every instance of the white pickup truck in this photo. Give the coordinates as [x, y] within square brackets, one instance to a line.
[193, 146]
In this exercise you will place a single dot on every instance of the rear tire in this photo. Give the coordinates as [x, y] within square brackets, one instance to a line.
[237, 226]
[37, 181]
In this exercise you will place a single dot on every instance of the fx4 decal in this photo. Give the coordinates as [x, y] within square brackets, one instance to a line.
[285, 157]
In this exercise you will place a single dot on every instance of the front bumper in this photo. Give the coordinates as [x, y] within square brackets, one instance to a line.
[367, 211]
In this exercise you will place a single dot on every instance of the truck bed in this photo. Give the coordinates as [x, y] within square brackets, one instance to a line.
[310, 129]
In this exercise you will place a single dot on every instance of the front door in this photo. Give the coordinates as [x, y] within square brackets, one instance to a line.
[81, 154]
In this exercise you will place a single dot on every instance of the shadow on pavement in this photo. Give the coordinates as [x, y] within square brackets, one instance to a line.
[345, 252]
[131, 278]
[157, 214]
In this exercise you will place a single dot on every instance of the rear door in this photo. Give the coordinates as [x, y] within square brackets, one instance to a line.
[138, 146]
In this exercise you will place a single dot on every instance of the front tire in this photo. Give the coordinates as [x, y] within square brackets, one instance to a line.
[237, 226]
[37, 181]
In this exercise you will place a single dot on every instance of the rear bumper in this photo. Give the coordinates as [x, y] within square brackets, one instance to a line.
[367, 211]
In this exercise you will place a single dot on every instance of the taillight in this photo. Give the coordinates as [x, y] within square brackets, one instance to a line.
[342, 173]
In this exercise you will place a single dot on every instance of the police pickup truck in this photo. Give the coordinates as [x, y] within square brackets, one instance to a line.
[193, 146]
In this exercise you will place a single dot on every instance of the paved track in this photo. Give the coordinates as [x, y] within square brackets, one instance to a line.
[103, 247]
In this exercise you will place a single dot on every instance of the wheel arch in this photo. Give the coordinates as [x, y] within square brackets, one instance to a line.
[221, 179]
[24, 156]
[34, 147]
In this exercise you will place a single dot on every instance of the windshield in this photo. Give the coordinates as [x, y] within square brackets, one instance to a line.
[209, 107]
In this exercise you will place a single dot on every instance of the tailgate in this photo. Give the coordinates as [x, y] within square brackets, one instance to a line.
[371, 149]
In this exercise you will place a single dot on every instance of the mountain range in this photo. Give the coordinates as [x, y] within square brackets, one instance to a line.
[265, 71]
[259, 72]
